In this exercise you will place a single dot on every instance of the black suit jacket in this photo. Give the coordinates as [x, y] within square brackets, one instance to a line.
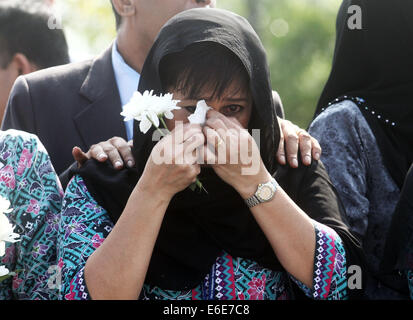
[72, 105]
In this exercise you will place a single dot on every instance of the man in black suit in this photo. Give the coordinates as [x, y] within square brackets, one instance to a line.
[80, 104]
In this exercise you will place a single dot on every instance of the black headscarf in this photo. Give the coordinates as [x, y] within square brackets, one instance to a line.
[197, 227]
[376, 64]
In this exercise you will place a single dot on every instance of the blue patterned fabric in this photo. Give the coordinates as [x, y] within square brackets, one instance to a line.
[410, 282]
[84, 226]
[29, 182]
[369, 194]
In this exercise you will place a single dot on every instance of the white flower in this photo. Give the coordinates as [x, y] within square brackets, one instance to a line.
[148, 108]
[4, 205]
[199, 116]
[3, 271]
[6, 228]
[6, 232]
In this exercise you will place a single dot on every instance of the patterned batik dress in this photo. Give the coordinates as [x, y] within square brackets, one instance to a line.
[29, 182]
[85, 225]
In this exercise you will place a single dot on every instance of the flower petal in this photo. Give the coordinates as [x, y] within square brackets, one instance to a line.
[154, 118]
[145, 125]
[168, 115]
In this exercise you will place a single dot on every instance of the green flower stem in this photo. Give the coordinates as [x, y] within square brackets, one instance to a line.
[163, 122]
[157, 128]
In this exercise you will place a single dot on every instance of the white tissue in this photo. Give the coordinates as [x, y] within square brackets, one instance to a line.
[199, 116]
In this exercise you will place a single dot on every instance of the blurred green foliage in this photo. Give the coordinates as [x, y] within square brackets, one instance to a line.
[298, 35]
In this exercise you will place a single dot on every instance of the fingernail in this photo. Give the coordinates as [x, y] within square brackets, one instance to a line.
[317, 156]
[295, 162]
[101, 156]
[118, 164]
[130, 163]
[307, 159]
[282, 158]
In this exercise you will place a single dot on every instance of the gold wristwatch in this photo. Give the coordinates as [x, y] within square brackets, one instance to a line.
[265, 192]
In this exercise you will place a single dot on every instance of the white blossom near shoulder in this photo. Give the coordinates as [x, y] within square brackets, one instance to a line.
[148, 109]
[6, 234]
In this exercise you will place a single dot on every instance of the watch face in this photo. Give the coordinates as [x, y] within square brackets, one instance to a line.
[265, 193]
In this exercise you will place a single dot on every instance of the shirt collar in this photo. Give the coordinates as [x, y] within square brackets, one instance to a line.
[127, 79]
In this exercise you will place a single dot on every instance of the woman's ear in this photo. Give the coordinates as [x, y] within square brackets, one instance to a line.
[22, 64]
[125, 8]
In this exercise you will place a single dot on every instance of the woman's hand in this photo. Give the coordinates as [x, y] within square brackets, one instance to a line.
[292, 139]
[173, 166]
[116, 149]
[234, 154]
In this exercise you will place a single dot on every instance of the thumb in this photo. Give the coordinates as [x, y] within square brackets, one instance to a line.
[79, 155]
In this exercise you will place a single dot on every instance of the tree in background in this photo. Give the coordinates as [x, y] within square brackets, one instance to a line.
[299, 36]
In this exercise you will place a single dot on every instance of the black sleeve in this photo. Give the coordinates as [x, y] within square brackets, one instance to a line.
[19, 113]
[398, 252]
[68, 174]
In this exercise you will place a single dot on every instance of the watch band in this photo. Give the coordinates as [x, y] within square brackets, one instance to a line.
[252, 201]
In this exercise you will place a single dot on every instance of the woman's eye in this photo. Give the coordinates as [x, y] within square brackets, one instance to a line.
[190, 109]
[232, 109]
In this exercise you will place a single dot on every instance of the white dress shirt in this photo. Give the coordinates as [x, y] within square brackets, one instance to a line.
[127, 80]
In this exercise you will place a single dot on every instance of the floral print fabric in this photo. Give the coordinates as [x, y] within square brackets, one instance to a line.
[29, 182]
[84, 226]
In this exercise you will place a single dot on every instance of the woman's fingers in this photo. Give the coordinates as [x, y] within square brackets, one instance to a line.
[230, 123]
[209, 156]
[183, 132]
[290, 141]
[281, 150]
[217, 121]
[192, 148]
[190, 130]
[120, 149]
[97, 152]
[215, 140]
[305, 143]
[293, 139]
[116, 149]
[79, 156]
[316, 151]
[196, 171]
